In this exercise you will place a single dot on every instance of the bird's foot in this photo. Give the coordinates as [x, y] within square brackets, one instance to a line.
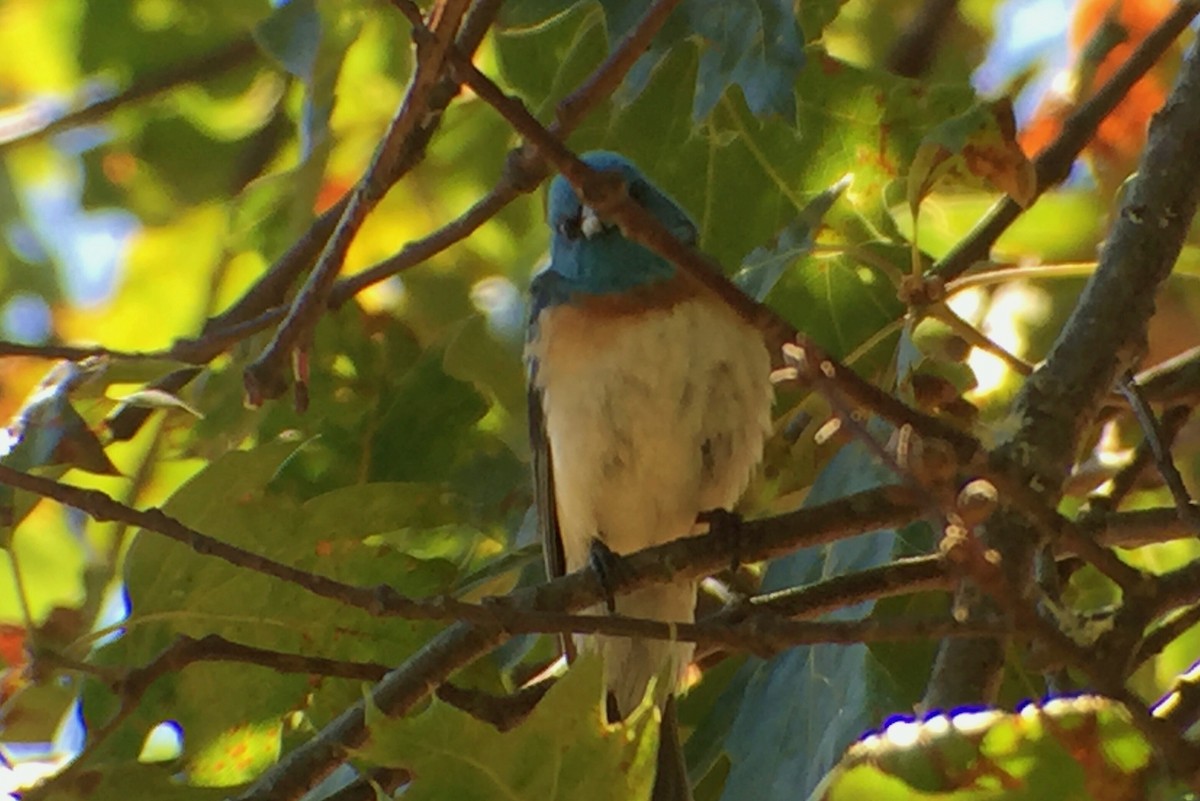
[608, 567]
[725, 523]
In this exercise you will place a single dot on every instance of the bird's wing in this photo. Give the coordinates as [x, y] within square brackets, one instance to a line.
[543, 488]
[543, 469]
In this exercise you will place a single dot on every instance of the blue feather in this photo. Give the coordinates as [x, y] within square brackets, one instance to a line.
[604, 262]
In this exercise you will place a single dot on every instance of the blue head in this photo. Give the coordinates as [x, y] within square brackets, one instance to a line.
[591, 256]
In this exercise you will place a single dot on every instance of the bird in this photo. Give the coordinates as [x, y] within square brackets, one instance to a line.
[649, 404]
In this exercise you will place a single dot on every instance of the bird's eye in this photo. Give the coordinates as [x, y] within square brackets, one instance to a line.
[571, 227]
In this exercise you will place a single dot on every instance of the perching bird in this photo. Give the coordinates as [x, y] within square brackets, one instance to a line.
[650, 400]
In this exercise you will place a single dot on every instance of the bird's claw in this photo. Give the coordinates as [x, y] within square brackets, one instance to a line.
[607, 566]
[725, 523]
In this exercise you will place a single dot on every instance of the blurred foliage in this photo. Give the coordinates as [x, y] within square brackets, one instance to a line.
[816, 175]
[1082, 747]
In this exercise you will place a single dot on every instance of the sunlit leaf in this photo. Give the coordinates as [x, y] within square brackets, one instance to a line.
[158, 399]
[762, 269]
[977, 145]
[49, 431]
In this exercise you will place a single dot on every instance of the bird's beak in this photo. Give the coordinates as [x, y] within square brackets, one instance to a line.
[590, 223]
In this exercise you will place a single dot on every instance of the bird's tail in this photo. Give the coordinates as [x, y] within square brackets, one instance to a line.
[670, 775]
[632, 664]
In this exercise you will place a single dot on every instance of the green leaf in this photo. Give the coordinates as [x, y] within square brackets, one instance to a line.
[49, 431]
[475, 354]
[139, 38]
[158, 399]
[547, 62]
[422, 424]
[763, 268]
[309, 38]
[34, 713]
[173, 590]
[979, 145]
[564, 749]
[755, 45]
[815, 15]
[527, 13]
[292, 36]
[109, 782]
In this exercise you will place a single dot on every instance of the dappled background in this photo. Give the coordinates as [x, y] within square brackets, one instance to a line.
[157, 157]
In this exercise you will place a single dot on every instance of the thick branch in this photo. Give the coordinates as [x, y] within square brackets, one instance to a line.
[463, 642]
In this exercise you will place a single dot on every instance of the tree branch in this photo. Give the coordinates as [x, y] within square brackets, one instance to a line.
[1157, 442]
[526, 171]
[1129, 476]
[256, 310]
[531, 610]
[265, 376]
[463, 641]
[271, 289]
[1103, 337]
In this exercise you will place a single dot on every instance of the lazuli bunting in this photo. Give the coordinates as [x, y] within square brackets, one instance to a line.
[650, 400]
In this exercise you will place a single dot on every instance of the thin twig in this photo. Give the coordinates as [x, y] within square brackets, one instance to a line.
[901, 577]
[185, 651]
[688, 556]
[208, 65]
[1166, 633]
[272, 287]
[256, 311]
[1175, 381]
[604, 79]
[463, 642]
[606, 193]
[70, 352]
[525, 171]
[420, 250]
[1156, 439]
[1127, 478]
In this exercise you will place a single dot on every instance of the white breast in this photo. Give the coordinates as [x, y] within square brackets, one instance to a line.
[651, 419]
[650, 422]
